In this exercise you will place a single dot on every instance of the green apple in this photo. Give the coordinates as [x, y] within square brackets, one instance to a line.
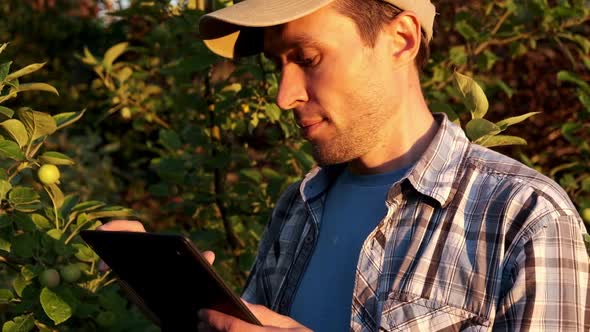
[48, 174]
[49, 278]
[70, 273]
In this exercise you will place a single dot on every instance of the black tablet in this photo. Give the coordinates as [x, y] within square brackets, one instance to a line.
[169, 275]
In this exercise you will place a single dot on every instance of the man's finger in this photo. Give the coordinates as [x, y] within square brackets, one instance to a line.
[270, 318]
[209, 256]
[122, 225]
[225, 323]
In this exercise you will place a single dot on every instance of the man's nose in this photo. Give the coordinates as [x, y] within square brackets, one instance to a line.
[292, 87]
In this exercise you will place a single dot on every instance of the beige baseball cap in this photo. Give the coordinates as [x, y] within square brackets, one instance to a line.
[235, 31]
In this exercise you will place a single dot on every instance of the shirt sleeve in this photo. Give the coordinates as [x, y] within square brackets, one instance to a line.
[547, 287]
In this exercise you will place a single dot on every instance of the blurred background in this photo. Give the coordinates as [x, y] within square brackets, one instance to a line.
[194, 144]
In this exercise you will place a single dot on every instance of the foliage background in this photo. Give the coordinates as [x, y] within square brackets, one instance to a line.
[193, 143]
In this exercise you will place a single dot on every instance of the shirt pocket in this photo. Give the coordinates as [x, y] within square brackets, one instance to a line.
[408, 312]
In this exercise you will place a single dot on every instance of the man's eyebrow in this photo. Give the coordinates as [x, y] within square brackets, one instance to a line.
[300, 41]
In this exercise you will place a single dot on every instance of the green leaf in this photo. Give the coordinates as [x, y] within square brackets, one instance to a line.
[16, 130]
[566, 76]
[54, 306]
[56, 158]
[23, 195]
[29, 272]
[499, 140]
[23, 323]
[273, 112]
[41, 222]
[89, 59]
[29, 207]
[5, 187]
[113, 53]
[587, 243]
[66, 119]
[252, 174]
[55, 234]
[437, 107]
[109, 214]
[88, 206]
[25, 71]
[38, 124]
[477, 128]
[7, 112]
[514, 120]
[4, 69]
[5, 245]
[466, 30]
[504, 87]
[233, 88]
[170, 140]
[19, 284]
[458, 55]
[56, 195]
[84, 253]
[473, 96]
[37, 87]
[124, 74]
[5, 295]
[10, 149]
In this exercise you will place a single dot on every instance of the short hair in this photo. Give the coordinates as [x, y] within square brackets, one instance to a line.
[370, 16]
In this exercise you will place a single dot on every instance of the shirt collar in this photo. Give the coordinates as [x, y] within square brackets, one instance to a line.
[433, 175]
[436, 173]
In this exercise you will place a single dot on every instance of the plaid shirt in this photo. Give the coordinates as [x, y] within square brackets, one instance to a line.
[472, 240]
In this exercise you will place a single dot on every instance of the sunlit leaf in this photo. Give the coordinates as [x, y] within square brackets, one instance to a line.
[566, 76]
[56, 158]
[477, 128]
[66, 119]
[500, 140]
[38, 124]
[113, 53]
[514, 120]
[16, 130]
[473, 96]
[88, 58]
[4, 69]
[7, 112]
[23, 323]
[25, 71]
[56, 194]
[5, 187]
[54, 306]
[37, 87]
[10, 149]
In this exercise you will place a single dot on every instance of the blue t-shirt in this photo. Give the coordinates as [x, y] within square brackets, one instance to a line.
[354, 207]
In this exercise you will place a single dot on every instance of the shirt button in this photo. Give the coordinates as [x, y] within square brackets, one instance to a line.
[308, 239]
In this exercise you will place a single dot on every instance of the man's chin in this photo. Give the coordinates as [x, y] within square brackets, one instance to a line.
[326, 157]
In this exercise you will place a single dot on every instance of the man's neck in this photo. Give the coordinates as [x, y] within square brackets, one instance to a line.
[410, 134]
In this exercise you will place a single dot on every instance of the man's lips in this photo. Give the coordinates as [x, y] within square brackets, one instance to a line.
[309, 127]
[308, 123]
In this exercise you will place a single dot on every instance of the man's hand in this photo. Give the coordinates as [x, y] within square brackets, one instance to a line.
[216, 321]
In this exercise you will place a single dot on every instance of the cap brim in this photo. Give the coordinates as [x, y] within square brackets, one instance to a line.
[236, 31]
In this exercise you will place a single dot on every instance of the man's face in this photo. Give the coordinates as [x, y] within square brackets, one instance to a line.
[340, 90]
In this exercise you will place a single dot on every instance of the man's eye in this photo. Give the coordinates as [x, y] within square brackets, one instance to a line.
[304, 62]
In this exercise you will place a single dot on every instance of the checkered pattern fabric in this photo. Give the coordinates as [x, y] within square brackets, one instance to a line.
[472, 241]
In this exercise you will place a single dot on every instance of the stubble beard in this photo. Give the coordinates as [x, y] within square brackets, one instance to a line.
[350, 143]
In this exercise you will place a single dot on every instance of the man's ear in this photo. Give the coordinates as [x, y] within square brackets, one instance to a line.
[404, 36]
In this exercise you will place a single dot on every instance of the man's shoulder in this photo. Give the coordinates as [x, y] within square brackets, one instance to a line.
[523, 181]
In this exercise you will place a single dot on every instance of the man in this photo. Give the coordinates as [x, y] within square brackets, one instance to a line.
[405, 225]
